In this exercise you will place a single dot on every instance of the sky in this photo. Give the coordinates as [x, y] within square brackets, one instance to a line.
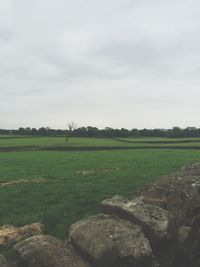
[104, 63]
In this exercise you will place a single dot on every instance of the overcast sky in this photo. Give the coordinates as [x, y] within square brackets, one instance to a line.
[117, 63]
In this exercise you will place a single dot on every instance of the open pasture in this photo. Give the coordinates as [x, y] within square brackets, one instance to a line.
[58, 188]
[59, 143]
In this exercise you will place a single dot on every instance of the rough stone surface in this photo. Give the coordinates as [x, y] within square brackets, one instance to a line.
[73, 258]
[48, 251]
[183, 233]
[192, 245]
[177, 193]
[3, 262]
[9, 233]
[155, 221]
[108, 241]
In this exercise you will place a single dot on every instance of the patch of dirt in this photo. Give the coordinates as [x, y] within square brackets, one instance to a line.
[9, 233]
[23, 181]
[96, 171]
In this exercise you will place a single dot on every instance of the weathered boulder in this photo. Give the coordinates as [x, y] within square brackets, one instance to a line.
[106, 240]
[170, 197]
[4, 262]
[180, 258]
[73, 258]
[48, 251]
[178, 193]
[155, 221]
[193, 169]
[191, 246]
[182, 235]
[9, 233]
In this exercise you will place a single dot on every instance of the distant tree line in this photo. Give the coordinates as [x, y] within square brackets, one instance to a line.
[89, 131]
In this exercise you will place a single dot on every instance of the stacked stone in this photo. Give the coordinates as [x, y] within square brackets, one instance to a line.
[159, 227]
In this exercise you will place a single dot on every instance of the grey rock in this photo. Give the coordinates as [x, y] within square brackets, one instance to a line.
[155, 262]
[109, 241]
[48, 251]
[175, 194]
[192, 244]
[183, 233]
[181, 258]
[73, 258]
[11, 234]
[4, 262]
[155, 221]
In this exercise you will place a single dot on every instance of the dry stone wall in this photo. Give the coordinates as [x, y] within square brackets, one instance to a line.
[159, 227]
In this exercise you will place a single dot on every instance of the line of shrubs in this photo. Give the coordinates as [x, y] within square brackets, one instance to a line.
[89, 131]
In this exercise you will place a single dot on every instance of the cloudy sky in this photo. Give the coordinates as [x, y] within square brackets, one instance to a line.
[117, 63]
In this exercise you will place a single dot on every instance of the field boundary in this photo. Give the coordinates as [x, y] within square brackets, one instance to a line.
[155, 142]
[85, 148]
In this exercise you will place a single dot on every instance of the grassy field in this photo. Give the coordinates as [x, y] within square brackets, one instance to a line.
[71, 185]
[58, 141]
[45, 142]
[160, 139]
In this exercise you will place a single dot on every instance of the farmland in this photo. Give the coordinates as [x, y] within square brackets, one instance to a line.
[59, 142]
[58, 187]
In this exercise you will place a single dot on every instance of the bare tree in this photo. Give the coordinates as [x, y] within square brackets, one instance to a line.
[71, 126]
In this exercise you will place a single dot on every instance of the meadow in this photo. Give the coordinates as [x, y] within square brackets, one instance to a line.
[60, 142]
[58, 188]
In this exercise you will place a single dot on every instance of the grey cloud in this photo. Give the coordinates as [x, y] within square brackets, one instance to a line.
[6, 35]
[109, 63]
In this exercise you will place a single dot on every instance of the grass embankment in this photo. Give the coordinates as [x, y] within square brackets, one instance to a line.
[72, 185]
[160, 139]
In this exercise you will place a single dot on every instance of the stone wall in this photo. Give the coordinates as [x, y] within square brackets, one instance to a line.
[160, 227]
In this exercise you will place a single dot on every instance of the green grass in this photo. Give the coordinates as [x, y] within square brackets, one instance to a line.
[141, 139]
[58, 141]
[98, 142]
[76, 182]
[158, 140]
